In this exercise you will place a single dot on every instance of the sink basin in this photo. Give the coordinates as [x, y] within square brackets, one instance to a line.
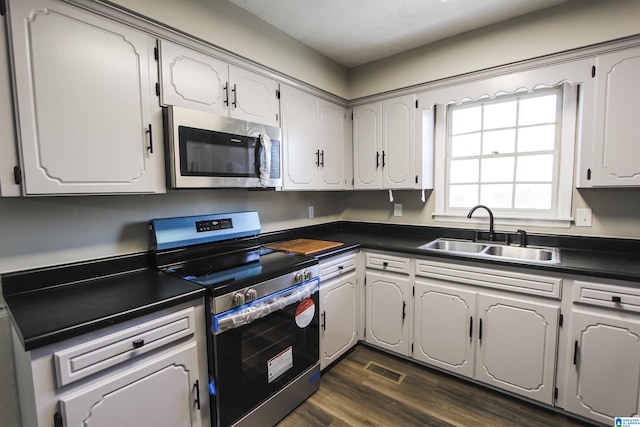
[454, 246]
[495, 251]
[532, 254]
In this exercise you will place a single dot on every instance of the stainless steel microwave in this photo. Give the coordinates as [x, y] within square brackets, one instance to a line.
[210, 151]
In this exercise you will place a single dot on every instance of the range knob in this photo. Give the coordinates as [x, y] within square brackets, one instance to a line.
[251, 295]
[238, 299]
[307, 275]
[298, 277]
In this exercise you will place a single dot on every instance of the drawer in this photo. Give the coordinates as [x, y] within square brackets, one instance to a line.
[544, 286]
[619, 297]
[388, 263]
[93, 356]
[337, 265]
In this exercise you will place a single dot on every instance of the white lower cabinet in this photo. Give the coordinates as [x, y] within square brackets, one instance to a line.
[388, 302]
[603, 374]
[148, 371]
[495, 337]
[339, 308]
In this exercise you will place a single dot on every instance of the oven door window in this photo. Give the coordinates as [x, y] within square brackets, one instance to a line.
[210, 153]
[254, 361]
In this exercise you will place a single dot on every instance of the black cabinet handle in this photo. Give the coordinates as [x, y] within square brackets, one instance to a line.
[385, 264]
[322, 156]
[235, 97]
[404, 310]
[150, 147]
[471, 327]
[377, 159]
[575, 352]
[324, 321]
[138, 343]
[57, 420]
[616, 299]
[383, 162]
[197, 387]
[226, 94]
[317, 157]
[340, 267]
[480, 331]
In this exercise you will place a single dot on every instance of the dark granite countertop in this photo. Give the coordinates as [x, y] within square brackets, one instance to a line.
[52, 304]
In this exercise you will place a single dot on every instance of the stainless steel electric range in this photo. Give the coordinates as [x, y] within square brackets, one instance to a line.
[264, 331]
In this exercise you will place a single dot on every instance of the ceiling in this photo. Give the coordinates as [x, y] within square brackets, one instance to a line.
[355, 32]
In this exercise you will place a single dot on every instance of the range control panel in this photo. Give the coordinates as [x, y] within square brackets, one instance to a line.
[212, 225]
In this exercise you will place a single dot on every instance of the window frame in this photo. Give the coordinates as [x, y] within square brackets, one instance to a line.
[560, 213]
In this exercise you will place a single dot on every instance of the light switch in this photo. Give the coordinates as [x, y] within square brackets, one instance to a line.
[397, 209]
[311, 211]
[583, 217]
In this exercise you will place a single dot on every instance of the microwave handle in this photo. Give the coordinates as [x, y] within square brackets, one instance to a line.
[258, 156]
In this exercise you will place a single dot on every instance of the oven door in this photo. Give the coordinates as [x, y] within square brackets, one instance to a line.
[262, 348]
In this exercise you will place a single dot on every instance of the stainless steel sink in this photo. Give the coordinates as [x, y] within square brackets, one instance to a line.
[515, 252]
[495, 251]
[454, 246]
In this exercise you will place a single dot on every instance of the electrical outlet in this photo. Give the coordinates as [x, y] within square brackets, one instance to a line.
[583, 217]
[311, 211]
[397, 209]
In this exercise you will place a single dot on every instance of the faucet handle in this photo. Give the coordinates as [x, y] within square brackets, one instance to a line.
[523, 238]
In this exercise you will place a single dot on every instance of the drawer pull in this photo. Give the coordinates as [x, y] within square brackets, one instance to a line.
[616, 299]
[575, 352]
[138, 343]
[340, 267]
[385, 264]
[471, 327]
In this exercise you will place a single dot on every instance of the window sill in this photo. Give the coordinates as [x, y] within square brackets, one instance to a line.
[515, 222]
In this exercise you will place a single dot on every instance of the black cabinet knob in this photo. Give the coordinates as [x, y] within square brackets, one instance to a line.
[138, 343]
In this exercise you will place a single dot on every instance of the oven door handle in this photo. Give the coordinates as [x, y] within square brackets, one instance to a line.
[264, 306]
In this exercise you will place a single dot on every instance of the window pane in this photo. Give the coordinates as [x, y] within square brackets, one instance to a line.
[541, 109]
[533, 196]
[536, 138]
[464, 171]
[466, 120]
[499, 169]
[465, 145]
[499, 141]
[535, 168]
[463, 196]
[496, 195]
[500, 115]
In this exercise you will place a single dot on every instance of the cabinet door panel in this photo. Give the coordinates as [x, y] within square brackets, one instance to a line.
[399, 142]
[253, 97]
[367, 146]
[339, 331]
[158, 393]
[192, 79]
[517, 346]
[299, 111]
[83, 119]
[331, 123]
[388, 312]
[443, 326]
[605, 379]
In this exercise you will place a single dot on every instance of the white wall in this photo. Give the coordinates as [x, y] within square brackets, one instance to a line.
[570, 25]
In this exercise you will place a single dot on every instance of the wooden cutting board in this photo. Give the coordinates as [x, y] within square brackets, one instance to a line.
[303, 246]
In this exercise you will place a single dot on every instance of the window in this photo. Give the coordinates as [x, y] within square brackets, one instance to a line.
[513, 153]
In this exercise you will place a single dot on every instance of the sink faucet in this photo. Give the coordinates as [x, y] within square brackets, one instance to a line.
[492, 233]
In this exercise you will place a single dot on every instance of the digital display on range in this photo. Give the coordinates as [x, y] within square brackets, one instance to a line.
[213, 225]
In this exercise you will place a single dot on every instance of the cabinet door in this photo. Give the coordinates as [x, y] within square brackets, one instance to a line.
[87, 124]
[192, 79]
[399, 142]
[516, 348]
[367, 146]
[444, 321]
[616, 159]
[300, 147]
[158, 392]
[604, 378]
[388, 311]
[331, 133]
[338, 317]
[253, 97]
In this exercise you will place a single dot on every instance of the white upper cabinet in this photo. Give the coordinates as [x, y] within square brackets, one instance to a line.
[393, 144]
[610, 152]
[192, 79]
[316, 143]
[88, 119]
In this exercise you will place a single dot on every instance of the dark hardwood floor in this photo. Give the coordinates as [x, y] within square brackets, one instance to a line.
[351, 395]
